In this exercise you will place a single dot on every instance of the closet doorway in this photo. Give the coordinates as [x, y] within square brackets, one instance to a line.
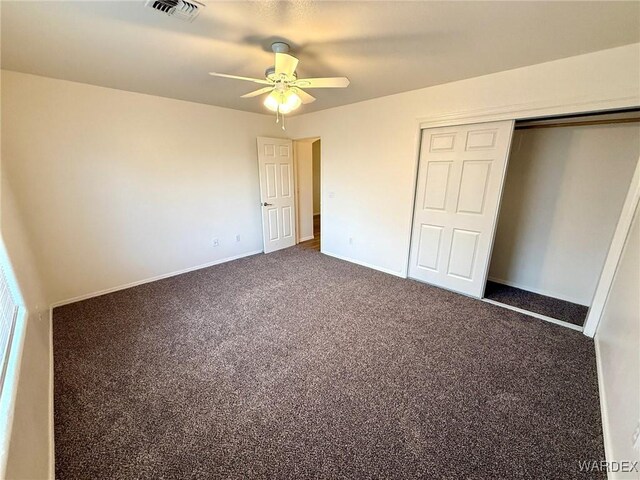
[566, 183]
[530, 231]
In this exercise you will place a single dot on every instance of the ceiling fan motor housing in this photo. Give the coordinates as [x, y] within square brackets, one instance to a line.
[270, 73]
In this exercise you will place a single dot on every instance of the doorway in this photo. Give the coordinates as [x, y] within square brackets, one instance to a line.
[309, 190]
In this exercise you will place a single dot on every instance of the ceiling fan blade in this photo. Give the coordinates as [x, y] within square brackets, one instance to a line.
[235, 77]
[286, 64]
[329, 82]
[255, 93]
[304, 96]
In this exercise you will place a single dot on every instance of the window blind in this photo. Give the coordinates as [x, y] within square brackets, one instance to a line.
[8, 315]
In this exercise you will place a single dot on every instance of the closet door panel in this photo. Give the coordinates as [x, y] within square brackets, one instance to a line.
[473, 186]
[460, 180]
[429, 246]
[436, 185]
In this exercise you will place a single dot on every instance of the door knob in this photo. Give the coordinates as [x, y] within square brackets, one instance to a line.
[265, 204]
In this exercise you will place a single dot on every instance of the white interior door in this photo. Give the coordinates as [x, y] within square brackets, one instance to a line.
[460, 181]
[277, 193]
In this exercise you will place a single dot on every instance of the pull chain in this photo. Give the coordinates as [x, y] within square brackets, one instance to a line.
[278, 116]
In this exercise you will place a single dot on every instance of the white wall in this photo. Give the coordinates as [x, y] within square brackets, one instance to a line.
[118, 180]
[563, 196]
[618, 354]
[317, 172]
[31, 441]
[370, 149]
[117, 187]
[31, 436]
[304, 182]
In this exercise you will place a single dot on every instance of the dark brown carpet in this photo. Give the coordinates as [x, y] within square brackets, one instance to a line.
[298, 365]
[534, 302]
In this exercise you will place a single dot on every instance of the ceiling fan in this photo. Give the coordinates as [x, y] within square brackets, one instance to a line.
[283, 85]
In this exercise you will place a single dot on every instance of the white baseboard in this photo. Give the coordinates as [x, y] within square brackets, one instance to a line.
[364, 264]
[304, 239]
[539, 291]
[151, 279]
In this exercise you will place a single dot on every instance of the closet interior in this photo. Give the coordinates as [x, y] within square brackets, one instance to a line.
[566, 181]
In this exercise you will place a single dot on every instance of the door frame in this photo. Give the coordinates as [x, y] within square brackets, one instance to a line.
[614, 255]
[531, 111]
[295, 171]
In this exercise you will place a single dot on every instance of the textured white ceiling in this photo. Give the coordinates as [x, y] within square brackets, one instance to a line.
[383, 47]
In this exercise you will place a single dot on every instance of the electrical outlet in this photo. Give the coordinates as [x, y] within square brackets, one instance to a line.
[350, 240]
[216, 242]
[237, 238]
[332, 194]
[635, 438]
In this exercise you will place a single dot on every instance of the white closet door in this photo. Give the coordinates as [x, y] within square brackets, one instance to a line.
[277, 193]
[460, 181]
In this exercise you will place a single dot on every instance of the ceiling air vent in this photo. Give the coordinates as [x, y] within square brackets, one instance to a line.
[182, 9]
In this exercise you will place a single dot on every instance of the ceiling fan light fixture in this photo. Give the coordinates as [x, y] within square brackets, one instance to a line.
[272, 101]
[282, 102]
[291, 102]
